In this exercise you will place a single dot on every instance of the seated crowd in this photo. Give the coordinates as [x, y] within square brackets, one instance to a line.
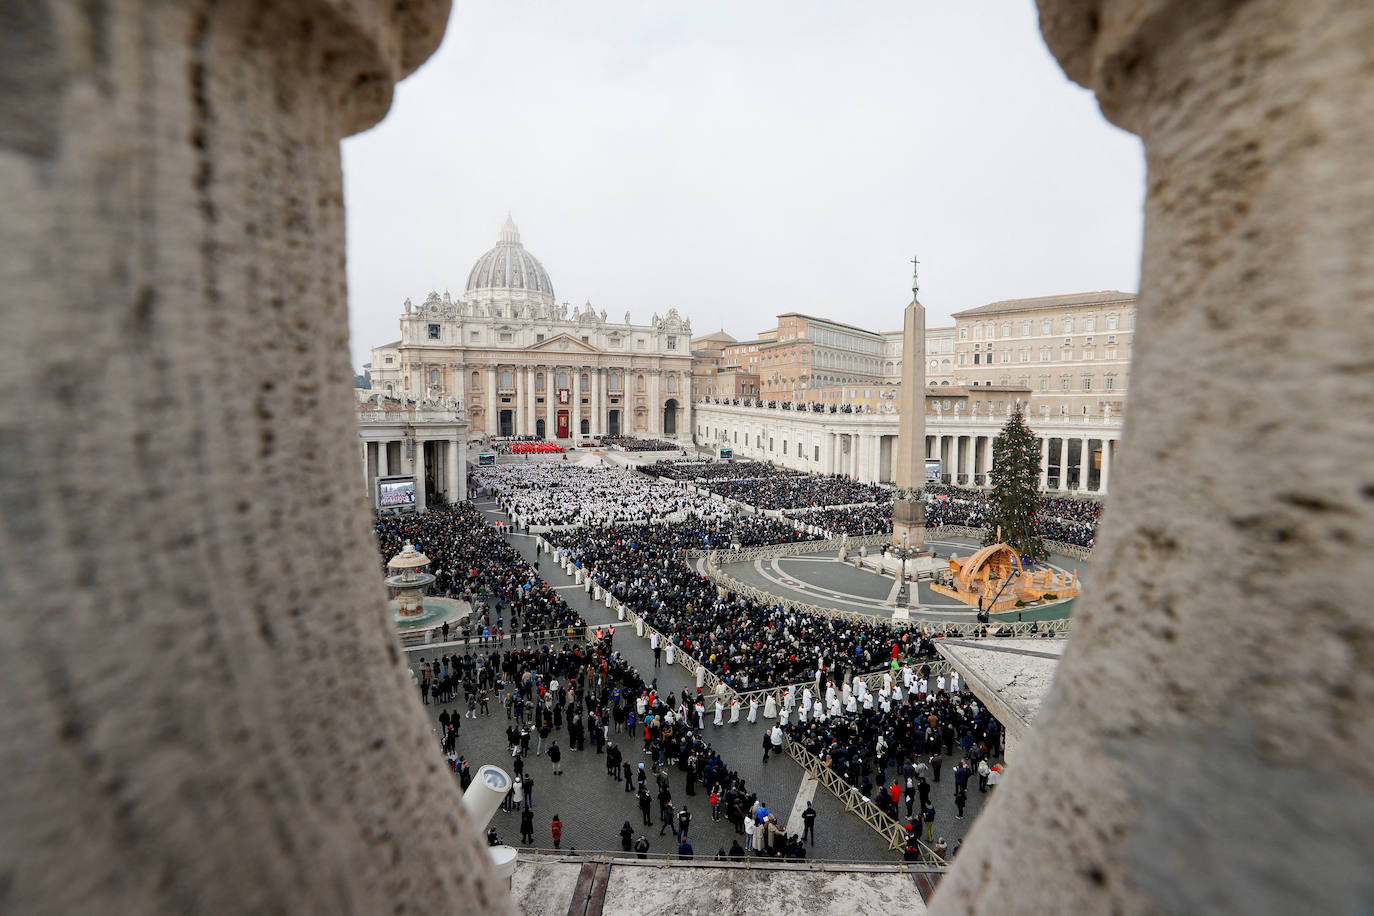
[632, 444]
[716, 470]
[855, 521]
[542, 494]
[800, 491]
[471, 560]
[744, 642]
[1070, 521]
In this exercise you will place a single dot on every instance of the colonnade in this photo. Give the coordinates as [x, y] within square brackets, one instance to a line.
[439, 465]
[1067, 463]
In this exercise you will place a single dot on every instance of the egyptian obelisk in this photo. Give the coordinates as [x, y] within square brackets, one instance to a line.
[909, 515]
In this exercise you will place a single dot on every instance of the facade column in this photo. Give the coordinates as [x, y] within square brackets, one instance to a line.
[1106, 467]
[596, 402]
[655, 404]
[987, 461]
[383, 459]
[1044, 463]
[550, 403]
[367, 466]
[493, 428]
[419, 466]
[1063, 464]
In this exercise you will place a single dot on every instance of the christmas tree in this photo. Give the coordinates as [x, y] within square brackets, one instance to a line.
[1015, 503]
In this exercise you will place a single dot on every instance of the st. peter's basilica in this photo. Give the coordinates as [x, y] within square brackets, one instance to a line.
[521, 364]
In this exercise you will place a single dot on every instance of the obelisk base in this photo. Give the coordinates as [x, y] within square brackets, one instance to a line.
[909, 525]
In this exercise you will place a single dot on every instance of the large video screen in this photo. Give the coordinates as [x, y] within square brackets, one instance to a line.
[932, 470]
[395, 492]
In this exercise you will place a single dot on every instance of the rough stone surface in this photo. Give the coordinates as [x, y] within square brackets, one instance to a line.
[1007, 677]
[204, 709]
[713, 891]
[1226, 644]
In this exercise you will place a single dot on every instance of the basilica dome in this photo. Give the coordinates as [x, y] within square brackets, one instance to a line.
[509, 266]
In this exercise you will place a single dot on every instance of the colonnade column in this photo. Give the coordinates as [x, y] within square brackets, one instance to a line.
[383, 460]
[987, 464]
[1106, 471]
[457, 480]
[531, 408]
[1063, 464]
[367, 466]
[1044, 463]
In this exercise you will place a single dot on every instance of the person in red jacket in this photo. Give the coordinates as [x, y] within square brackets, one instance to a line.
[894, 792]
[556, 828]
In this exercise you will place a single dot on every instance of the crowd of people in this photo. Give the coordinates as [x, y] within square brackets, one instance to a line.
[471, 561]
[633, 444]
[558, 700]
[558, 494]
[745, 643]
[892, 744]
[715, 470]
[854, 521]
[531, 448]
[800, 491]
[1070, 521]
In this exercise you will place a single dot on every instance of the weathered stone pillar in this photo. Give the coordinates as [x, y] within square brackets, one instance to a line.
[1144, 786]
[204, 705]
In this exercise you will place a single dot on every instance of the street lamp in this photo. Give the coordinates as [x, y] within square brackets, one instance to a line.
[903, 595]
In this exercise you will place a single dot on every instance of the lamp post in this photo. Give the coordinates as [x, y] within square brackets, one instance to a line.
[903, 595]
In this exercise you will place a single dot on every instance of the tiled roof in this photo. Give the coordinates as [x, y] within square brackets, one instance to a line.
[1104, 297]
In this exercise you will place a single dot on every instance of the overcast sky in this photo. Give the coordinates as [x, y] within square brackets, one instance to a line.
[736, 160]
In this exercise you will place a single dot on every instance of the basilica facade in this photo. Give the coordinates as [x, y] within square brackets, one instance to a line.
[520, 364]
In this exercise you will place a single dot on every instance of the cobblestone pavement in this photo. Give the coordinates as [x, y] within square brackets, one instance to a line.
[593, 807]
[819, 578]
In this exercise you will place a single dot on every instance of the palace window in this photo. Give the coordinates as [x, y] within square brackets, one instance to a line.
[1063, 384]
[1110, 384]
[672, 384]
[586, 383]
[672, 342]
[1046, 326]
[586, 427]
[614, 381]
[434, 376]
[389, 360]
[1090, 324]
[505, 378]
[505, 337]
[476, 380]
[1025, 328]
[1087, 384]
[1044, 354]
[539, 382]
[1068, 325]
[539, 338]
[434, 332]
[562, 380]
[1112, 322]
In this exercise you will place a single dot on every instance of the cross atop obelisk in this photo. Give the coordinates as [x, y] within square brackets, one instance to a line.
[908, 515]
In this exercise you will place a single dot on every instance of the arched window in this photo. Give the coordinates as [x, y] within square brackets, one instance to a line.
[615, 381]
[539, 382]
[639, 382]
[505, 378]
[476, 380]
[586, 383]
[388, 388]
[562, 380]
[934, 365]
[434, 376]
[945, 365]
[586, 427]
